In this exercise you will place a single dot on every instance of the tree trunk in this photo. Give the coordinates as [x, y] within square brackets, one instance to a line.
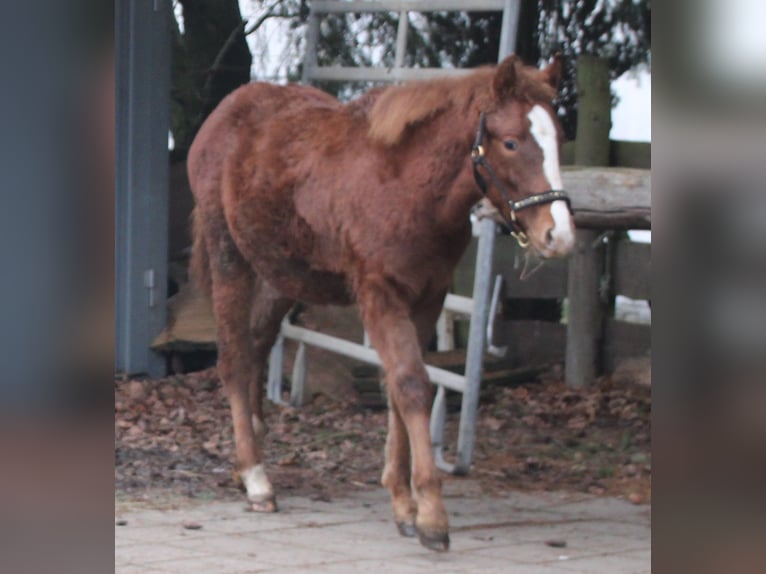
[202, 76]
[527, 40]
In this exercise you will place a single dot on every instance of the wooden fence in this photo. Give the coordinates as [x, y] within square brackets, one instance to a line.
[534, 321]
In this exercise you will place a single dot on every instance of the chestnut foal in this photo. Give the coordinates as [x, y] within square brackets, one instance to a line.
[302, 198]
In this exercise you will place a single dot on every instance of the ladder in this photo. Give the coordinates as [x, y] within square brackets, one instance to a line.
[478, 306]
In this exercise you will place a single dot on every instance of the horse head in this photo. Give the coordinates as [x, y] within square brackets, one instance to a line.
[516, 156]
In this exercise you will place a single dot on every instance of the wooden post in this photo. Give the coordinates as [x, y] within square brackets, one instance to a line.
[586, 267]
[594, 111]
[585, 312]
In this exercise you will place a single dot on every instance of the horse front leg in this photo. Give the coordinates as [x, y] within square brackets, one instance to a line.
[397, 473]
[268, 309]
[395, 337]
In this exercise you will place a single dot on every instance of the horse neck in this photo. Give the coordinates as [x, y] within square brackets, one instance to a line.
[454, 190]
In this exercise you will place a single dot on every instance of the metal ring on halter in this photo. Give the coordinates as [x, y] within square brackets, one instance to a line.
[521, 238]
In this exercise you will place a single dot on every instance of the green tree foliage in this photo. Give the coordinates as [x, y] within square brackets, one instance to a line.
[618, 30]
[212, 57]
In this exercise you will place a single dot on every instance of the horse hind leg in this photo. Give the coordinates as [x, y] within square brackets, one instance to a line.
[232, 285]
[268, 309]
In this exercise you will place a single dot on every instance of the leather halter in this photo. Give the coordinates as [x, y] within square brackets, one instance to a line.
[479, 159]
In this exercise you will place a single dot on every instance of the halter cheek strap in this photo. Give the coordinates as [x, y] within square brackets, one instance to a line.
[480, 159]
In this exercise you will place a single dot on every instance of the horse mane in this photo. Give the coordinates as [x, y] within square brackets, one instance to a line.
[399, 108]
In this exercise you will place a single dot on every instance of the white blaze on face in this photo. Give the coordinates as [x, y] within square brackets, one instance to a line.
[544, 131]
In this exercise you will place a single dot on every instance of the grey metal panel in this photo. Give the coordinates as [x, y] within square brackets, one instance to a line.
[509, 28]
[143, 99]
[335, 6]
[353, 74]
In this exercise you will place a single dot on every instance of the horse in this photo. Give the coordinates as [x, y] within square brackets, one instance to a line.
[302, 198]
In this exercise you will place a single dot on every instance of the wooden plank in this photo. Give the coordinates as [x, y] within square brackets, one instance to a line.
[585, 311]
[624, 341]
[609, 197]
[608, 188]
[631, 269]
[190, 324]
[338, 6]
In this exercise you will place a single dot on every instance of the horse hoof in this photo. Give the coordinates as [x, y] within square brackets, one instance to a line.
[406, 529]
[433, 540]
[265, 505]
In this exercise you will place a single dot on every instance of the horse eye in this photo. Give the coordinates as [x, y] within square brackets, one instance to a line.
[511, 145]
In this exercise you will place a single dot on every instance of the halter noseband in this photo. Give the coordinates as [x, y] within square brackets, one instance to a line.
[479, 159]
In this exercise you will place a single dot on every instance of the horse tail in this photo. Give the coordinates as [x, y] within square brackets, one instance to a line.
[199, 266]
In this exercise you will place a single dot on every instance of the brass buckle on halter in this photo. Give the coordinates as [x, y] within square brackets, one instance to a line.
[521, 238]
[477, 151]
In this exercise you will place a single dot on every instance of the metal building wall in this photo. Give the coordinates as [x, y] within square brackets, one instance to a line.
[143, 101]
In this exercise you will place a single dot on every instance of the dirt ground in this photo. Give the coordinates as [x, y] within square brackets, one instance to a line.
[173, 438]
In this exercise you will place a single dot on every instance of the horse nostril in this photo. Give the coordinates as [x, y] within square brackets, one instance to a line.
[549, 236]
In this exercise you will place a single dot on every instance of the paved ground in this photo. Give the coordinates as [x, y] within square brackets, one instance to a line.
[355, 535]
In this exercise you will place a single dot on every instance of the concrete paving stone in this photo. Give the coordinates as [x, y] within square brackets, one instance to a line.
[240, 519]
[512, 569]
[134, 569]
[266, 551]
[148, 553]
[489, 538]
[371, 540]
[639, 532]
[528, 553]
[357, 534]
[581, 545]
[584, 534]
[604, 508]
[471, 518]
[461, 487]
[392, 566]
[468, 560]
[255, 524]
[633, 562]
[152, 534]
[146, 517]
[212, 565]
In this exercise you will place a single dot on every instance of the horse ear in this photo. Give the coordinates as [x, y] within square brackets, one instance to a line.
[504, 82]
[552, 73]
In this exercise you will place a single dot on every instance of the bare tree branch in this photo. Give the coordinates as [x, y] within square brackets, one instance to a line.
[240, 29]
[266, 15]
